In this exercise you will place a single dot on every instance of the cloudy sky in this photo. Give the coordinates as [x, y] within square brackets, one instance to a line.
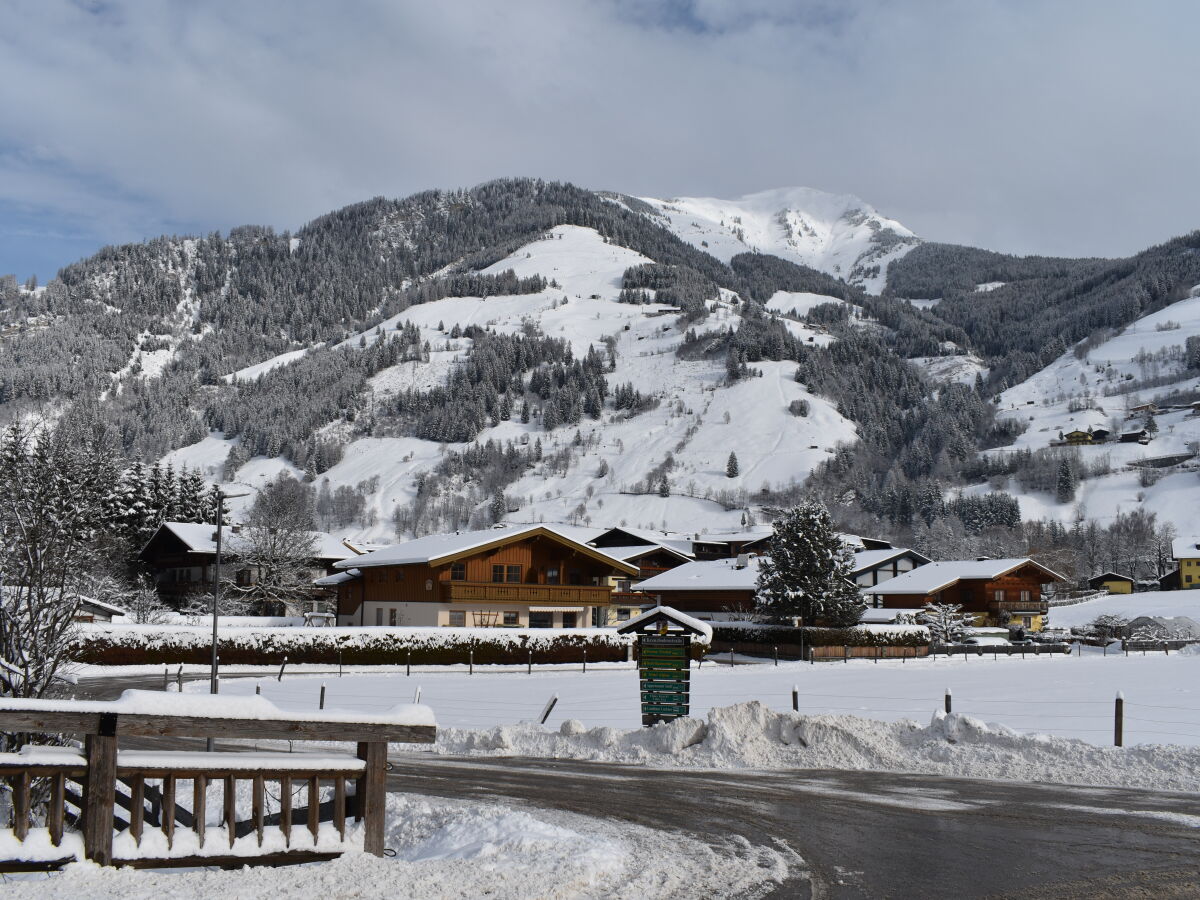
[1053, 127]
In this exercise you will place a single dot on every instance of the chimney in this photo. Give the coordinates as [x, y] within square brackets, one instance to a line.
[743, 560]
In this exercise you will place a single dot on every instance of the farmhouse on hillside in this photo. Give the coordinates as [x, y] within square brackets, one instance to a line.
[532, 576]
[996, 591]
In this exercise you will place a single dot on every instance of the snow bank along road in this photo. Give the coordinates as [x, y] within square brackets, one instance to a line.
[857, 834]
[870, 834]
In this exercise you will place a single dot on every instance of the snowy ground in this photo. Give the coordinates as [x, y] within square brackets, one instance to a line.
[1057, 709]
[447, 849]
[1148, 603]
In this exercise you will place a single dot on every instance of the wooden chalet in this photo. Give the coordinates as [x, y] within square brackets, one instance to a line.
[1078, 437]
[1136, 436]
[996, 591]
[711, 590]
[1186, 551]
[181, 557]
[533, 576]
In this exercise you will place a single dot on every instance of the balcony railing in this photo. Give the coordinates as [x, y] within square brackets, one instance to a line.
[584, 595]
[1035, 607]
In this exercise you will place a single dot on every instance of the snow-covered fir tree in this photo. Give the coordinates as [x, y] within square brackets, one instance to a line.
[808, 572]
[731, 467]
[946, 621]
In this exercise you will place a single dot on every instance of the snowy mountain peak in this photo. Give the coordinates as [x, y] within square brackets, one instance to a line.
[835, 233]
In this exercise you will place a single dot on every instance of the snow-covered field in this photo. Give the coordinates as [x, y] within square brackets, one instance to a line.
[1057, 708]
[1148, 603]
[447, 849]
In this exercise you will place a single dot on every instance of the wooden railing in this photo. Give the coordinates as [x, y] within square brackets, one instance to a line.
[1034, 607]
[85, 789]
[584, 595]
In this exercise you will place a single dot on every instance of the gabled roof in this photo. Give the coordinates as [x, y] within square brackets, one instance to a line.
[865, 560]
[1110, 576]
[633, 536]
[937, 576]
[438, 549]
[707, 575]
[640, 550]
[200, 537]
[672, 617]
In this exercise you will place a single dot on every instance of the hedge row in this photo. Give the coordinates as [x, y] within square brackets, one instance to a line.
[781, 636]
[167, 645]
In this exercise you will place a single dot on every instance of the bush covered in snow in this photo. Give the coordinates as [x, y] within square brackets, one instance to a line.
[858, 636]
[134, 644]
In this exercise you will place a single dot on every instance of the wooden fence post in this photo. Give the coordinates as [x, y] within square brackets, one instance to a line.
[795, 698]
[949, 703]
[1119, 722]
[100, 791]
[372, 794]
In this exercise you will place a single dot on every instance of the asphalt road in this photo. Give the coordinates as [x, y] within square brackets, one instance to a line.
[861, 834]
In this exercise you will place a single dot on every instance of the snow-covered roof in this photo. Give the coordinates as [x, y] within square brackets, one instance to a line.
[1186, 547]
[437, 547]
[101, 605]
[749, 534]
[676, 543]
[630, 553]
[706, 575]
[869, 559]
[683, 619]
[929, 579]
[338, 578]
[200, 537]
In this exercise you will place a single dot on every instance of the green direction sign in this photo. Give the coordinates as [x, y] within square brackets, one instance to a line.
[664, 670]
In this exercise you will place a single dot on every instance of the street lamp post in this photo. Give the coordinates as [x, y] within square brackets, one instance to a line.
[216, 592]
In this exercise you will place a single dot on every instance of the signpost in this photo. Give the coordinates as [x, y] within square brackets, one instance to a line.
[664, 661]
[664, 668]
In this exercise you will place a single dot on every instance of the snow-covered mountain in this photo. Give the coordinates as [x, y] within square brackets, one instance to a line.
[834, 233]
[698, 421]
[409, 359]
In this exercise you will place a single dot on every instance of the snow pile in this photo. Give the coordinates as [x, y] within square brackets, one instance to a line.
[750, 735]
[447, 849]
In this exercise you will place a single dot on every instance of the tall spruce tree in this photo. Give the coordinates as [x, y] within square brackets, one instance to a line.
[731, 467]
[807, 574]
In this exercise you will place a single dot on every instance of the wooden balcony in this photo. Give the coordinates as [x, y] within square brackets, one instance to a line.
[1026, 607]
[556, 594]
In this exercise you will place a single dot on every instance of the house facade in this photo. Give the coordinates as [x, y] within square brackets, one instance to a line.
[873, 567]
[181, 557]
[996, 591]
[527, 577]
[1186, 552]
[1111, 582]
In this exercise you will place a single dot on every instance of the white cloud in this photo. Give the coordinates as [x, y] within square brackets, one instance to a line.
[1058, 128]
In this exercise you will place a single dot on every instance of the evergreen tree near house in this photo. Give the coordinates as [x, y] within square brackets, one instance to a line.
[946, 621]
[731, 467]
[664, 486]
[808, 572]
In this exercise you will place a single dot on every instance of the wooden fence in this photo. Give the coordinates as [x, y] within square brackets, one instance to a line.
[85, 789]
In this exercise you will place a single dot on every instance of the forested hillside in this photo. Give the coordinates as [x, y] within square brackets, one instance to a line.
[527, 350]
